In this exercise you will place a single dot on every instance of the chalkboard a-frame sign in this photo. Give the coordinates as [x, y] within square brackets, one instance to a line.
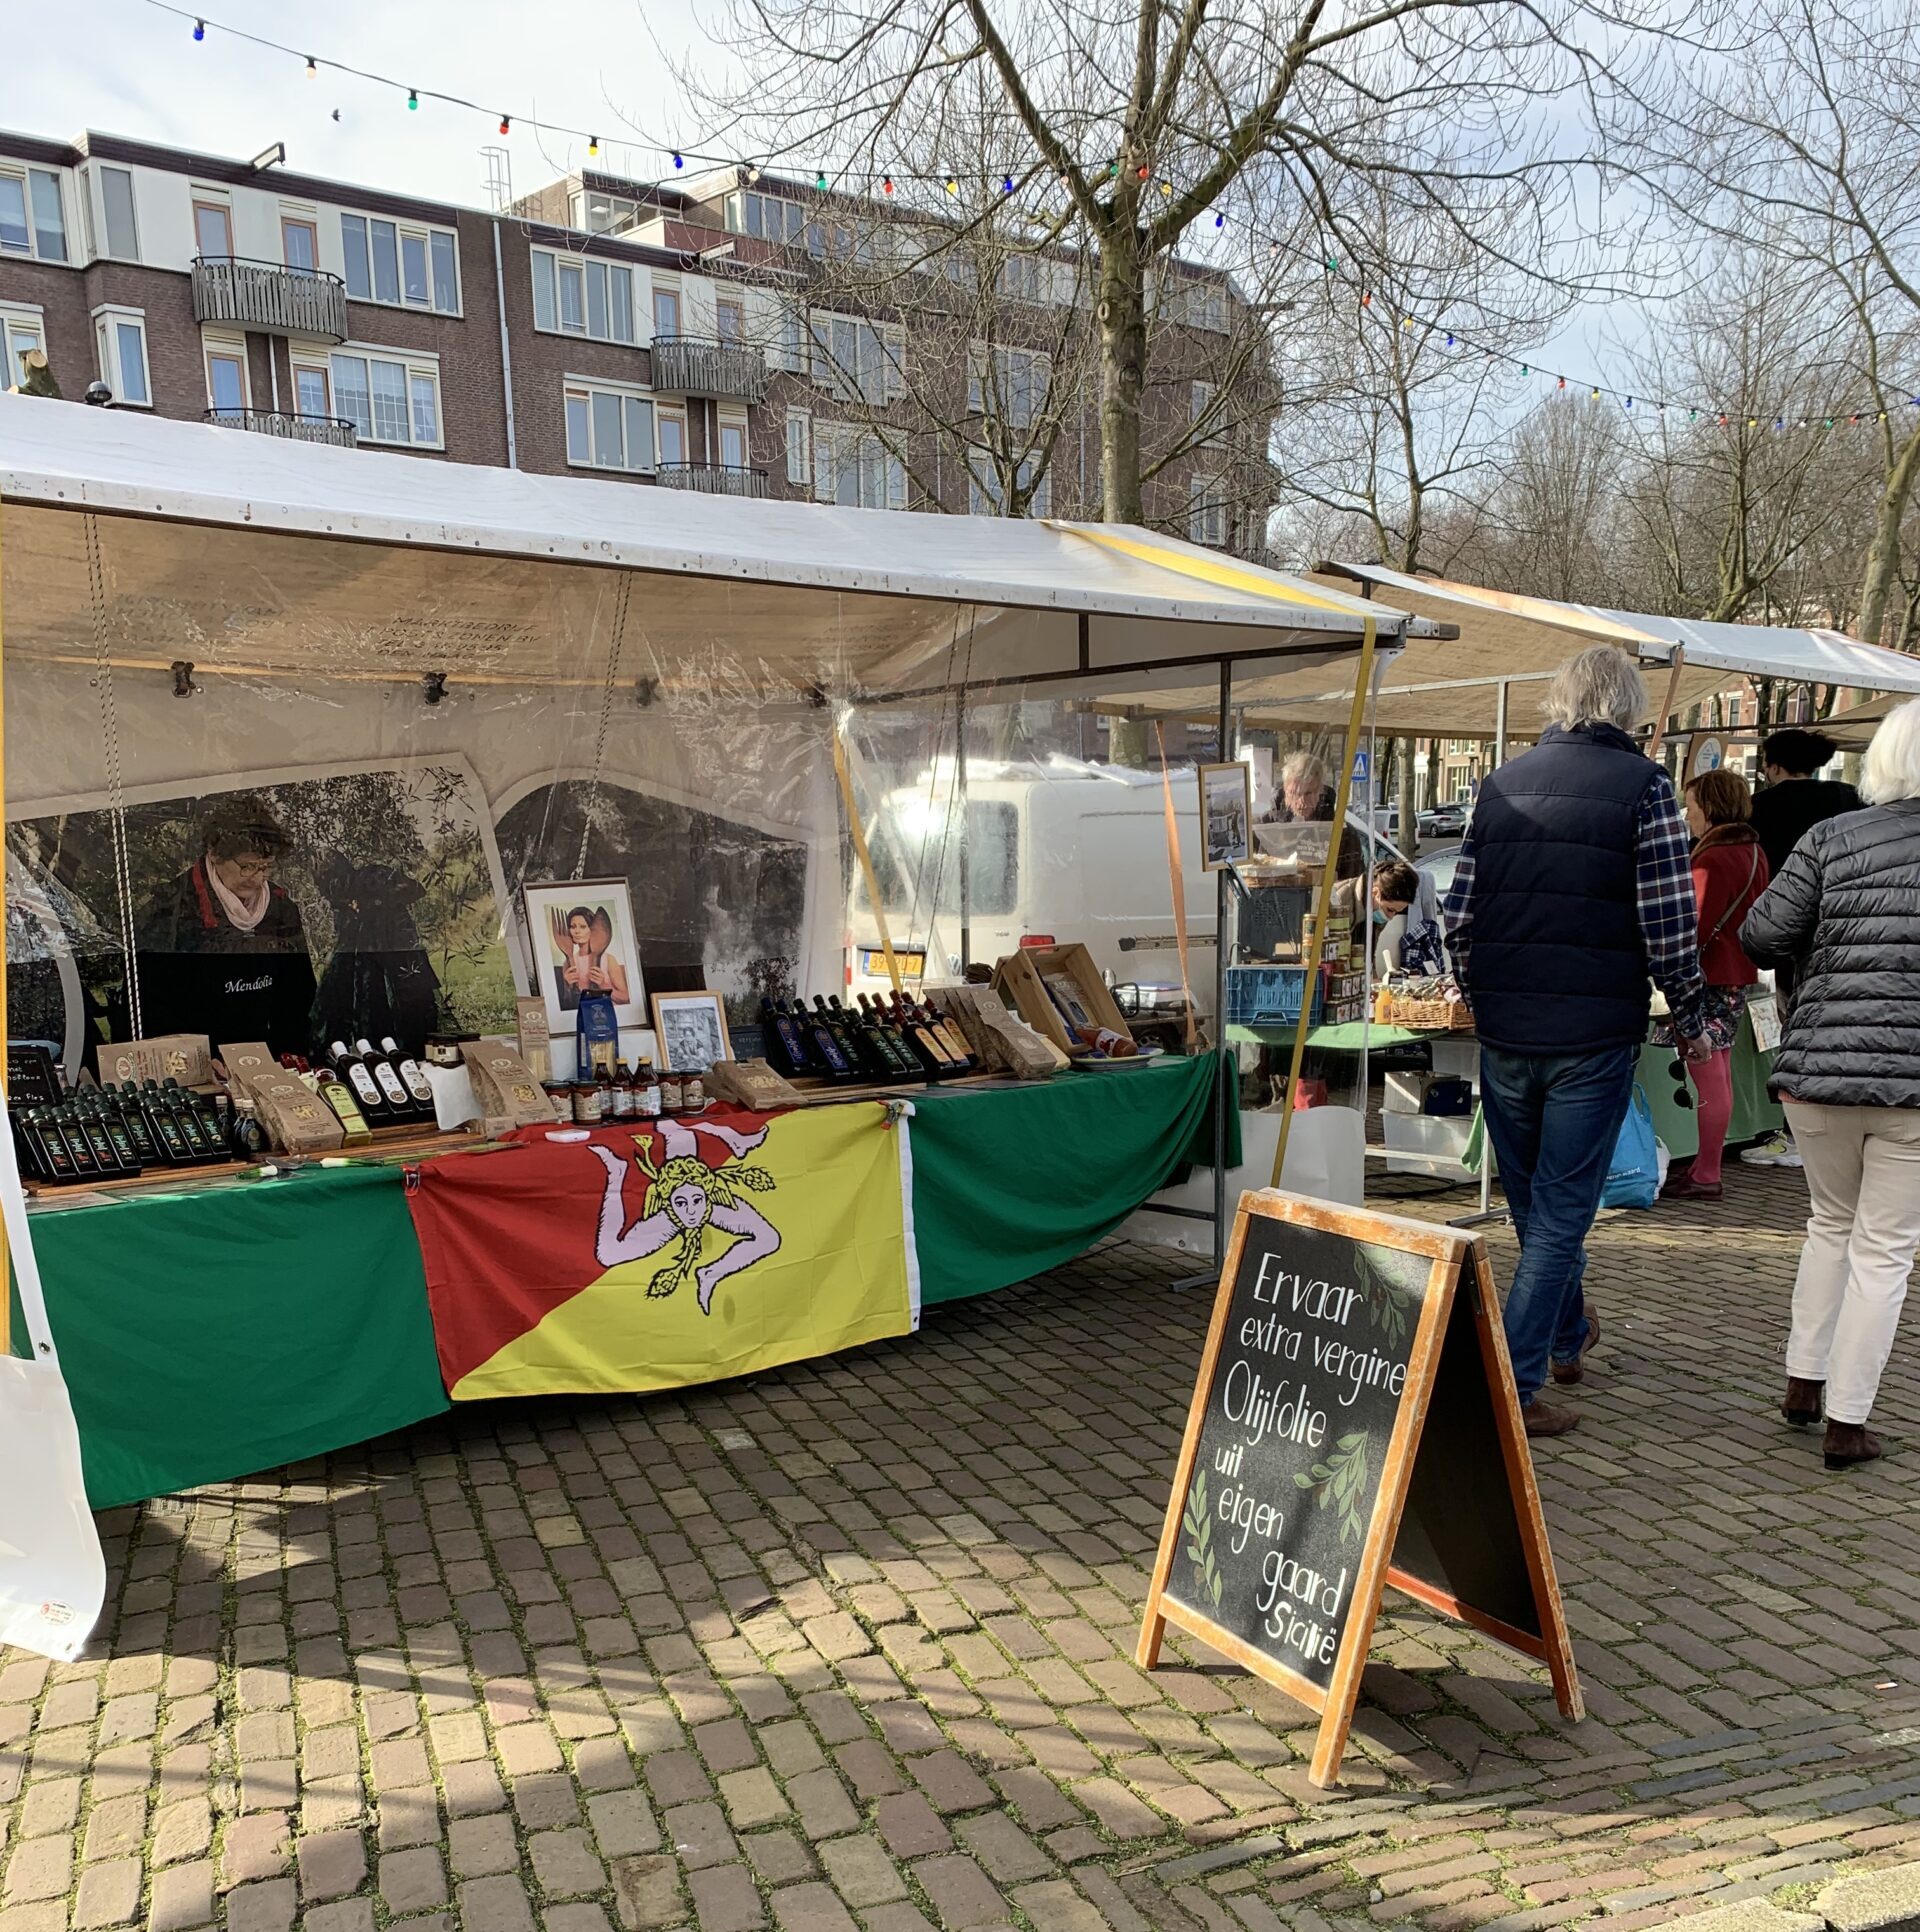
[1354, 1425]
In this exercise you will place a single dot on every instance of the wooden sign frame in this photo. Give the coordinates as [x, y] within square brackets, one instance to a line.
[1458, 1262]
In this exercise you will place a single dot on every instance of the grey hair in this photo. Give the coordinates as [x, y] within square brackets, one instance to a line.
[1302, 768]
[1600, 686]
[1893, 759]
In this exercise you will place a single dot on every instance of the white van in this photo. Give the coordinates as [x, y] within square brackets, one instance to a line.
[1063, 852]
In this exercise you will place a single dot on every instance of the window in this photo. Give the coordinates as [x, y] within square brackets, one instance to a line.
[32, 220]
[1203, 305]
[1023, 278]
[1207, 521]
[312, 391]
[21, 330]
[790, 347]
[673, 437]
[1203, 410]
[116, 195]
[401, 264]
[213, 231]
[1010, 385]
[854, 467]
[987, 498]
[121, 337]
[733, 446]
[666, 311]
[732, 320]
[799, 446]
[388, 398]
[227, 380]
[766, 217]
[576, 297]
[300, 245]
[863, 359]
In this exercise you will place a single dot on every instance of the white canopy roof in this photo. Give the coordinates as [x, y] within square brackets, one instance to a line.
[259, 556]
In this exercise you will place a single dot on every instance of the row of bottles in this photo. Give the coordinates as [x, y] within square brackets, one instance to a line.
[874, 1040]
[109, 1133]
[365, 1087]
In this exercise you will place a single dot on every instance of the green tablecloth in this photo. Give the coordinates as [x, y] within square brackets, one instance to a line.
[1348, 1036]
[1754, 1113]
[1008, 1184]
[206, 1335]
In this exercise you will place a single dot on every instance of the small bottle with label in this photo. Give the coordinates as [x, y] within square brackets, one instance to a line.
[646, 1092]
[672, 1094]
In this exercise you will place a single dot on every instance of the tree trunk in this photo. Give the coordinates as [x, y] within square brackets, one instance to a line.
[1883, 554]
[1123, 362]
[1127, 742]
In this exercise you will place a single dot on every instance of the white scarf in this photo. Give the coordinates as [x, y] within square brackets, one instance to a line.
[245, 914]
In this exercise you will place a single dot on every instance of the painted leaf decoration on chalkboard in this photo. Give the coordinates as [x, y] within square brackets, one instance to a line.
[1390, 1303]
[1198, 1524]
[1341, 1483]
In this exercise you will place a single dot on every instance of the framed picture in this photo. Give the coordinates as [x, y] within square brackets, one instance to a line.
[691, 1031]
[582, 940]
[1226, 815]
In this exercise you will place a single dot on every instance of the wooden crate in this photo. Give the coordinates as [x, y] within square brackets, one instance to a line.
[1019, 979]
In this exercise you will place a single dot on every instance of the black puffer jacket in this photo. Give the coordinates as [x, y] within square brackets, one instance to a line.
[1845, 914]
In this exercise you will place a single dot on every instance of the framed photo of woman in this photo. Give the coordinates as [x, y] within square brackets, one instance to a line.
[691, 1029]
[582, 941]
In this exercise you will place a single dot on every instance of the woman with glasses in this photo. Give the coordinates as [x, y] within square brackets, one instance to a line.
[223, 951]
[1729, 875]
[1844, 914]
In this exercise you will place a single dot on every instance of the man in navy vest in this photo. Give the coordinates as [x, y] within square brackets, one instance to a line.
[1573, 889]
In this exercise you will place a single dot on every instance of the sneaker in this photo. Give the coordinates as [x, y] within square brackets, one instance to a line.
[1776, 1150]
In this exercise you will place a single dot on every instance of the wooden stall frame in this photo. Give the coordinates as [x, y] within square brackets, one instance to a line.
[1450, 1254]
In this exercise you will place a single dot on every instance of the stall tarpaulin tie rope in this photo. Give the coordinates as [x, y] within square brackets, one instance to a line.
[1177, 875]
[116, 788]
[859, 833]
[590, 807]
[1323, 899]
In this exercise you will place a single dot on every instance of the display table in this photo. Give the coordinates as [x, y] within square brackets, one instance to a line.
[210, 1332]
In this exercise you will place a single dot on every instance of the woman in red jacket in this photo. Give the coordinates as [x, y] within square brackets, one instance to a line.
[1729, 874]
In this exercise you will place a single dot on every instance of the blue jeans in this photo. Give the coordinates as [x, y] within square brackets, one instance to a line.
[1553, 1121]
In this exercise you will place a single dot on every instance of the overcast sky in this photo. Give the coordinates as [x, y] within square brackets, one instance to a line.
[135, 70]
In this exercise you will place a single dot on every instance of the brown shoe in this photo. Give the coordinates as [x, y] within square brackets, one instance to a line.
[1568, 1373]
[1804, 1401]
[1848, 1443]
[1543, 1419]
[1686, 1188]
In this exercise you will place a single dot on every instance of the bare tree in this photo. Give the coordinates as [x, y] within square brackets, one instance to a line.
[1131, 128]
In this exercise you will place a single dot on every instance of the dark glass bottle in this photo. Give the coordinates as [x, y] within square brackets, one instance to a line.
[386, 1077]
[366, 1090]
[412, 1076]
[193, 1131]
[784, 1046]
[164, 1127]
[830, 1051]
[125, 1102]
[55, 1155]
[884, 1024]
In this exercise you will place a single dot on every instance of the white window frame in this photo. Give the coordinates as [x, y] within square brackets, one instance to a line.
[108, 319]
[215, 201]
[232, 348]
[879, 477]
[849, 375]
[675, 413]
[1210, 516]
[800, 448]
[666, 285]
[17, 321]
[311, 362]
[1005, 358]
[36, 251]
[983, 489]
[106, 212]
[585, 388]
[792, 219]
[1201, 403]
[404, 231]
[724, 420]
[557, 262]
[414, 362]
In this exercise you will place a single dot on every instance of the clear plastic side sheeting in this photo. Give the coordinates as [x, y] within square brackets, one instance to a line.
[268, 787]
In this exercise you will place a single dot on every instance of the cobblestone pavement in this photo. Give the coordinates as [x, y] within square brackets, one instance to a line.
[850, 1646]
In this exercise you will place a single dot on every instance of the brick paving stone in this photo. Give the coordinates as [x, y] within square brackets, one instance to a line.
[725, 1899]
[861, 1870]
[181, 1897]
[413, 1881]
[962, 1894]
[810, 1908]
[494, 1905]
[349, 1915]
[331, 1864]
[266, 1905]
[108, 1894]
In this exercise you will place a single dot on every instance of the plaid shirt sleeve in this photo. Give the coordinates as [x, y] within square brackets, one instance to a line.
[1457, 912]
[1669, 916]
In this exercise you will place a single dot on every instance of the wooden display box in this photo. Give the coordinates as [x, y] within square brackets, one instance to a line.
[1020, 978]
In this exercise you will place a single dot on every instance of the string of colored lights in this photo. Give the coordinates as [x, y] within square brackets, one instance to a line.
[1010, 182]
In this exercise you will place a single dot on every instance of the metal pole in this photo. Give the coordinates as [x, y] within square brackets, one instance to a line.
[960, 796]
[1226, 1071]
[1500, 727]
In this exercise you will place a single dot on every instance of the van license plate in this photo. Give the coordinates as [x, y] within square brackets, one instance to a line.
[873, 963]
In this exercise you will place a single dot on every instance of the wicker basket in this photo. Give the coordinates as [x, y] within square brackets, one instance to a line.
[1428, 1016]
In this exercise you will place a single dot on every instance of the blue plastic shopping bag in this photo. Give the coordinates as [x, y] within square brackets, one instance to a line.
[1633, 1176]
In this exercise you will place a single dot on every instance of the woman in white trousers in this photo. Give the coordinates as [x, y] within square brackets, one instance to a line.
[1844, 912]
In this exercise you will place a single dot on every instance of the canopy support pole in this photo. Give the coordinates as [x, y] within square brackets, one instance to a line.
[844, 773]
[6, 1270]
[1665, 712]
[1323, 897]
[1500, 726]
[1226, 1077]
[960, 797]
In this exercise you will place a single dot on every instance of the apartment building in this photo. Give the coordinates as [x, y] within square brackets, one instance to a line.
[725, 336]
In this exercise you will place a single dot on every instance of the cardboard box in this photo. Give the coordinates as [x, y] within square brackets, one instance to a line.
[997, 1038]
[536, 1043]
[247, 1063]
[1021, 979]
[185, 1057]
[504, 1085]
[296, 1118]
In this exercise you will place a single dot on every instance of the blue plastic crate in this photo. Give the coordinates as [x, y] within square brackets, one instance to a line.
[1269, 995]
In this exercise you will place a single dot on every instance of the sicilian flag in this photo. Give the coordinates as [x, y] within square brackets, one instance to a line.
[656, 1256]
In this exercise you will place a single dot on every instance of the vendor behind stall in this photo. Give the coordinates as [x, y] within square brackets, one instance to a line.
[223, 952]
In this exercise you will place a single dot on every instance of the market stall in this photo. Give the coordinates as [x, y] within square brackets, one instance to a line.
[354, 761]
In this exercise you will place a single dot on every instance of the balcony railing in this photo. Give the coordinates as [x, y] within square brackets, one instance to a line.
[336, 430]
[713, 479]
[270, 297]
[691, 365]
